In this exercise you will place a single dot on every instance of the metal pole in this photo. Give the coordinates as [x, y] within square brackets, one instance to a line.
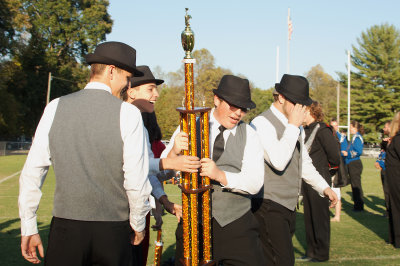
[277, 64]
[288, 46]
[48, 89]
[337, 103]
[348, 96]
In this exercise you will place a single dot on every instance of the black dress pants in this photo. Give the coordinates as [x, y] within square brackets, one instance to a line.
[317, 223]
[355, 169]
[80, 243]
[277, 225]
[237, 243]
[385, 189]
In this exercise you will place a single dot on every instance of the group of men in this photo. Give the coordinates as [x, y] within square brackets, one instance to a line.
[99, 151]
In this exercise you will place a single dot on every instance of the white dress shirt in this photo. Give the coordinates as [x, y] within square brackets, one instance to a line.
[251, 178]
[279, 152]
[135, 166]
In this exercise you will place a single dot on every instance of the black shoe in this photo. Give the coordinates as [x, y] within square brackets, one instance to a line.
[358, 210]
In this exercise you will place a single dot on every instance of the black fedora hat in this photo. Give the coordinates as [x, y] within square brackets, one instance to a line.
[115, 53]
[295, 89]
[147, 77]
[235, 91]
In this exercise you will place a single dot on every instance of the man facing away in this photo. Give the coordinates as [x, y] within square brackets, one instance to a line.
[236, 171]
[97, 146]
[286, 162]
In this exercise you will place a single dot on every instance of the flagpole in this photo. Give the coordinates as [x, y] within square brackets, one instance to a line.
[348, 95]
[288, 44]
[277, 65]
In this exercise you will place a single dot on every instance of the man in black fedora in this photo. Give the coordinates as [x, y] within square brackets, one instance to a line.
[236, 171]
[286, 162]
[97, 146]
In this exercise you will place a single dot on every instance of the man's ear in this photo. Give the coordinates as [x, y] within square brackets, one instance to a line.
[217, 101]
[131, 93]
[281, 99]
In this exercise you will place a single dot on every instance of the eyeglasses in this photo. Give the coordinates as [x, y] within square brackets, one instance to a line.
[232, 106]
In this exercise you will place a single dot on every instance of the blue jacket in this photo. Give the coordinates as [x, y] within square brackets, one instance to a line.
[355, 149]
[381, 159]
[343, 141]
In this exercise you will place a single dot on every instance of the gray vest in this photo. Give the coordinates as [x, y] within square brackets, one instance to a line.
[229, 206]
[87, 155]
[284, 186]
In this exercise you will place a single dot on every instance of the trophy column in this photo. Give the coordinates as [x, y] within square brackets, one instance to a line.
[191, 185]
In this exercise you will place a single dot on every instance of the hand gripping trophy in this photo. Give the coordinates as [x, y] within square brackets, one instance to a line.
[195, 190]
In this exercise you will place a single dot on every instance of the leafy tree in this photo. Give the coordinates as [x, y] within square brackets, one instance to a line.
[323, 89]
[50, 36]
[263, 99]
[375, 87]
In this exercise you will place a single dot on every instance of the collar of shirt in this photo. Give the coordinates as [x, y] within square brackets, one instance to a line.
[279, 115]
[214, 131]
[97, 86]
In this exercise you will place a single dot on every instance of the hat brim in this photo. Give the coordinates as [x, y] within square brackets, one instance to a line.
[306, 102]
[93, 59]
[241, 104]
[141, 82]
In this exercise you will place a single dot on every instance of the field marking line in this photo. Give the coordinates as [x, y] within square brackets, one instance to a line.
[10, 176]
[356, 258]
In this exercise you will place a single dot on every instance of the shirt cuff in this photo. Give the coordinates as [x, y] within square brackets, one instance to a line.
[138, 225]
[29, 227]
[154, 166]
[321, 187]
[292, 130]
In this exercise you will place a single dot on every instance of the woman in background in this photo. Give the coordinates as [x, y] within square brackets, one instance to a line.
[354, 164]
[323, 148]
[393, 180]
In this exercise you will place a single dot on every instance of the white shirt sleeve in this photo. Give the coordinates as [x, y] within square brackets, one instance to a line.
[34, 172]
[251, 177]
[170, 145]
[136, 165]
[276, 152]
[309, 174]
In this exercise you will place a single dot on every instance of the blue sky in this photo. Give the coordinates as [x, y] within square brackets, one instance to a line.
[243, 35]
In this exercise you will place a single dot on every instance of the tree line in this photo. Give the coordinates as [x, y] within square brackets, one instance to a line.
[39, 36]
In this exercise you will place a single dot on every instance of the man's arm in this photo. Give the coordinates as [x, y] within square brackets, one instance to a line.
[136, 168]
[251, 177]
[30, 183]
[276, 152]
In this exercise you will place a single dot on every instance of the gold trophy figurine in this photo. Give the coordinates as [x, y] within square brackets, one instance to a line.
[193, 189]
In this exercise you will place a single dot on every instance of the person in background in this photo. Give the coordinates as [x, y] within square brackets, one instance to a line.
[354, 165]
[143, 94]
[324, 152]
[380, 163]
[341, 138]
[393, 180]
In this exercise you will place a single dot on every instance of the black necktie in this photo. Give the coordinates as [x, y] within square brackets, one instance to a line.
[219, 144]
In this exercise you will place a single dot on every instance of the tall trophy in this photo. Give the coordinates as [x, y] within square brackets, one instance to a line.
[195, 190]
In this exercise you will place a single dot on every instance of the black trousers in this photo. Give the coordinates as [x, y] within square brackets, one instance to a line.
[317, 223]
[237, 243]
[78, 243]
[385, 189]
[277, 225]
[355, 169]
[394, 210]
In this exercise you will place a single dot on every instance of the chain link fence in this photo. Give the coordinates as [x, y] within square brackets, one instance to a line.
[14, 147]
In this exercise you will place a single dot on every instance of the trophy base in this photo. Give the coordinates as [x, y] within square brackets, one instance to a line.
[194, 191]
[207, 263]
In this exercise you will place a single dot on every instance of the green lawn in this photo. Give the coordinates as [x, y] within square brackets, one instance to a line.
[359, 239]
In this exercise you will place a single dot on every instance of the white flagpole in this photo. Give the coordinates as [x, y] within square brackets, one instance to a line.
[348, 95]
[277, 65]
[288, 45]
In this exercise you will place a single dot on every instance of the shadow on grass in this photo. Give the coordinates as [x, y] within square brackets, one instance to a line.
[376, 223]
[300, 235]
[168, 256]
[10, 242]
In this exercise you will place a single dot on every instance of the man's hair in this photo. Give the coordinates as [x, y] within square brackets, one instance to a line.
[316, 111]
[333, 120]
[359, 127]
[395, 125]
[98, 69]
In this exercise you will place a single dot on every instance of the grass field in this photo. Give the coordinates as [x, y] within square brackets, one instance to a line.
[359, 239]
